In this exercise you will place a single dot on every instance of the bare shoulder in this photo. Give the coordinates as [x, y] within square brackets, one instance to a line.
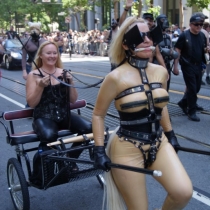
[157, 67]
[157, 70]
[113, 75]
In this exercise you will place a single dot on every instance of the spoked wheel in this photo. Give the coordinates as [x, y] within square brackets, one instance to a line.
[101, 180]
[18, 186]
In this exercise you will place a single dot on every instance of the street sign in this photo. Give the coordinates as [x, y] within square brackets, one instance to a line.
[46, 1]
[67, 19]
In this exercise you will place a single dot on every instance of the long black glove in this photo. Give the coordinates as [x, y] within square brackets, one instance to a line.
[172, 139]
[100, 158]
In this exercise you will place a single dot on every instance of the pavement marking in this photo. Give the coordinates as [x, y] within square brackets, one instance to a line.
[200, 197]
[182, 93]
[13, 101]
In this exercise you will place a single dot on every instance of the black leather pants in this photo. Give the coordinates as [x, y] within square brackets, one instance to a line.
[47, 130]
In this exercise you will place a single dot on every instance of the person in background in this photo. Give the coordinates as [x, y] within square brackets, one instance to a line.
[70, 39]
[184, 28]
[165, 46]
[59, 41]
[30, 47]
[11, 33]
[191, 64]
[183, 102]
[138, 89]
[175, 38]
[177, 29]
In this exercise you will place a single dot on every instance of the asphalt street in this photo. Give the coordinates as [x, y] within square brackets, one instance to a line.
[87, 194]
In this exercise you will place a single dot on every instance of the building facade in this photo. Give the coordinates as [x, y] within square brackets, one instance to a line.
[176, 11]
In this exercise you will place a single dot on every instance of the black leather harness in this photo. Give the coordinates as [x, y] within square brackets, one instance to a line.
[140, 139]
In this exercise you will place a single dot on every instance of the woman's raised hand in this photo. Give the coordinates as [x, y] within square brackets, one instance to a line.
[43, 82]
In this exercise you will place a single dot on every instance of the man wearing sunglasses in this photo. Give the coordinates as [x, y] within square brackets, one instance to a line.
[191, 45]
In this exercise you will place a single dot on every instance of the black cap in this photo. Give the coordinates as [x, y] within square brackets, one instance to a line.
[148, 15]
[201, 15]
[196, 18]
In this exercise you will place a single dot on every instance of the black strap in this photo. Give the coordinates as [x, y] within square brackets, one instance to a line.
[139, 88]
[152, 150]
[67, 98]
[188, 41]
[63, 146]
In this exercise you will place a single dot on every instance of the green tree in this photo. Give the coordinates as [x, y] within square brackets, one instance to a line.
[18, 11]
[138, 5]
[151, 9]
[201, 4]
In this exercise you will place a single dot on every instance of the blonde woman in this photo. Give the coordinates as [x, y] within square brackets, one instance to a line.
[139, 90]
[49, 98]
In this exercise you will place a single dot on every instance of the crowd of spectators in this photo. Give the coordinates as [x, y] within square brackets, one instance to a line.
[93, 42]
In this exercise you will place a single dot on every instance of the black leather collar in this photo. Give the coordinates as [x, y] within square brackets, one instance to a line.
[138, 62]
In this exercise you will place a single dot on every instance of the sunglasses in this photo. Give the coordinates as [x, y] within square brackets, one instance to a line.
[198, 24]
[146, 34]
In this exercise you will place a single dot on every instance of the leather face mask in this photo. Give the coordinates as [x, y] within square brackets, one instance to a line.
[35, 33]
[163, 22]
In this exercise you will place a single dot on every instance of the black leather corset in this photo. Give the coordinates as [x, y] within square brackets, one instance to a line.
[52, 104]
[140, 121]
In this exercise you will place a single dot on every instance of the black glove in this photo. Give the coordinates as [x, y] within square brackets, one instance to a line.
[100, 158]
[172, 139]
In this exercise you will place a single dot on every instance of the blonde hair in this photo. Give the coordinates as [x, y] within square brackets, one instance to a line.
[116, 51]
[113, 200]
[38, 59]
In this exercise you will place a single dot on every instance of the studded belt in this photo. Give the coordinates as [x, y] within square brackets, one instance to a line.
[140, 135]
[137, 122]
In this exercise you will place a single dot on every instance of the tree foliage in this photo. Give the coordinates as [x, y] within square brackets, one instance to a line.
[201, 4]
[21, 11]
[151, 9]
[137, 8]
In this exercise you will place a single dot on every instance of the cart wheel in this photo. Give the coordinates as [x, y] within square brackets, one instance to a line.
[18, 186]
[101, 180]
